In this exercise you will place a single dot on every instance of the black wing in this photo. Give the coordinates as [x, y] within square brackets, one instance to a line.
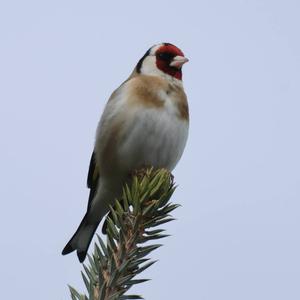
[92, 179]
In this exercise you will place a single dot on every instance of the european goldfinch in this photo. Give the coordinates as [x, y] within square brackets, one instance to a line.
[145, 123]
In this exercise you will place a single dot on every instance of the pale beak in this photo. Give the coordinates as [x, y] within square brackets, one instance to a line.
[178, 61]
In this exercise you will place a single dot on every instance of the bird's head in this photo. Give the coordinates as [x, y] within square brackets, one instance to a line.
[163, 60]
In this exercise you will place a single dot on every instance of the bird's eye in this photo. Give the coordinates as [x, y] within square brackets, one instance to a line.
[164, 56]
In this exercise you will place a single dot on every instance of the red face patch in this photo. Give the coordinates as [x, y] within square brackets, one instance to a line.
[168, 48]
[164, 56]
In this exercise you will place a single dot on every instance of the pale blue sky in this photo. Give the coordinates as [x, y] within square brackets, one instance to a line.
[237, 233]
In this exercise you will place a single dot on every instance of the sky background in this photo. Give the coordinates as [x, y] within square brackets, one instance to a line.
[237, 233]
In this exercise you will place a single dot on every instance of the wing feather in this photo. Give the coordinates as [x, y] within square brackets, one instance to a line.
[92, 179]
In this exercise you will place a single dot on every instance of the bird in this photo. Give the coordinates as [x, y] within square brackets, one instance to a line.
[145, 123]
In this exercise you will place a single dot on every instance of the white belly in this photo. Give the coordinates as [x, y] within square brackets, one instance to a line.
[154, 137]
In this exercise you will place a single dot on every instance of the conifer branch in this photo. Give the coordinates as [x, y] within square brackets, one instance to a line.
[131, 223]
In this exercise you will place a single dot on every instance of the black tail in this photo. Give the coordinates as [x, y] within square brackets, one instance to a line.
[81, 239]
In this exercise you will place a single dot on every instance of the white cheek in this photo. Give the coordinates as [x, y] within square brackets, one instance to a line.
[149, 66]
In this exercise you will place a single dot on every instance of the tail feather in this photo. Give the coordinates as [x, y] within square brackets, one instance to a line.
[81, 239]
